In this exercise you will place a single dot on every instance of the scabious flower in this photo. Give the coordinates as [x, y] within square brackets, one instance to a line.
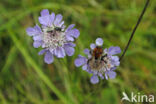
[53, 37]
[99, 62]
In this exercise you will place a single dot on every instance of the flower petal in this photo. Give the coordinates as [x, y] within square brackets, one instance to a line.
[51, 50]
[48, 58]
[46, 20]
[94, 79]
[86, 51]
[31, 31]
[84, 67]
[58, 19]
[69, 50]
[70, 44]
[37, 44]
[101, 76]
[42, 52]
[80, 61]
[38, 28]
[106, 76]
[34, 31]
[74, 33]
[60, 24]
[59, 52]
[111, 74]
[113, 68]
[115, 60]
[69, 38]
[92, 46]
[105, 50]
[114, 50]
[37, 37]
[99, 41]
[44, 12]
[70, 27]
[52, 17]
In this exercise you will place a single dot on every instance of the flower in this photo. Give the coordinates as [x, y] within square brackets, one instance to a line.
[99, 62]
[53, 37]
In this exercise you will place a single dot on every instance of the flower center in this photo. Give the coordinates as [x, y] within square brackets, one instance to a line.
[53, 38]
[99, 62]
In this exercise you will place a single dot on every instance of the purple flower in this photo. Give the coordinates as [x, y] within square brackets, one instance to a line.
[100, 62]
[53, 37]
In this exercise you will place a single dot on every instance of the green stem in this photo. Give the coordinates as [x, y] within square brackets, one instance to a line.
[37, 69]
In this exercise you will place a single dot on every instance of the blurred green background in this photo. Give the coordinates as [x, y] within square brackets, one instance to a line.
[26, 79]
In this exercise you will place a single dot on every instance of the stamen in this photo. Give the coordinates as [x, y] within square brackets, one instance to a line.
[53, 38]
[99, 62]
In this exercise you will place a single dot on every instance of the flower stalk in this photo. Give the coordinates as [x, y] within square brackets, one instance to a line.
[133, 32]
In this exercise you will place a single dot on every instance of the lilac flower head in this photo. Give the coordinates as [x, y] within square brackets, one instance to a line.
[53, 37]
[99, 62]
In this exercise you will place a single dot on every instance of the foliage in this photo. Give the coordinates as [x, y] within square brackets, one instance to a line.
[26, 79]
